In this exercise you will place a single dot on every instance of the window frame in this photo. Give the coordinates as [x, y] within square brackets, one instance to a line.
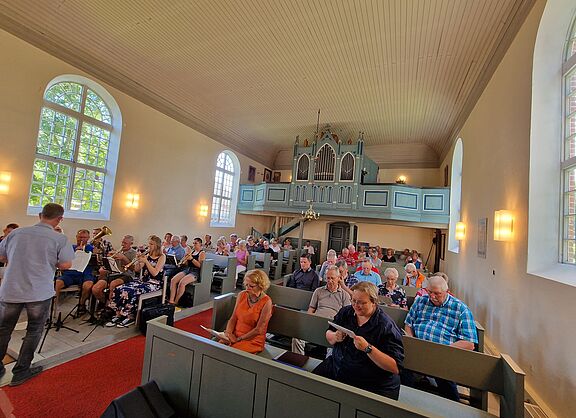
[231, 221]
[109, 171]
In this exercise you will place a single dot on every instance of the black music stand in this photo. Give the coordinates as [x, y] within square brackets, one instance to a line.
[58, 325]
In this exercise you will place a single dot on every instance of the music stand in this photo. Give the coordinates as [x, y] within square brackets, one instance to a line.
[58, 325]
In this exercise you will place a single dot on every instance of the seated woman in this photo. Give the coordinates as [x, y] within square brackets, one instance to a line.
[389, 257]
[391, 289]
[246, 329]
[331, 258]
[275, 246]
[372, 360]
[190, 273]
[415, 259]
[125, 297]
[221, 247]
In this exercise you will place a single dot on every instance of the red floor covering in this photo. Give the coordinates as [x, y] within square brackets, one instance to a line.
[84, 387]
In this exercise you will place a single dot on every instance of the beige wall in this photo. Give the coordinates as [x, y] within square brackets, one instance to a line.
[414, 176]
[169, 164]
[526, 316]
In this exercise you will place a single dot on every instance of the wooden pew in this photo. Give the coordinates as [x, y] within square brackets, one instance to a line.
[289, 297]
[250, 265]
[265, 259]
[201, 288]
[289, 257]
[195, 374]
[292, 323]
[223, 282]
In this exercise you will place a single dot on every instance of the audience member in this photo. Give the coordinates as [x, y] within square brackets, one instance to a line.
[84, 279]
[208, 246]
[222, 247]
[352, 252]
[414, 258]
[346, 257]
[326, 302]
[330, 261]
[305, 278]
[190, 272]
[246, 329]
[251, 244]
[373, 257]
[389, 256]
[275, 246]
[167, 241]
[287, 244]
[176, 250]
[124, 301]
[233, 244]
[413, 277]
[423, 290]
[405, 254]
[441, 318]
[391, 289]
[373, 358]
[309, 248]
[361, 253]
[33, 254]
[184, 244]
[368, 275]
[241, 256]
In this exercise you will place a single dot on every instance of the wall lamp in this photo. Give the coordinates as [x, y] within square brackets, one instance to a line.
[132, 200]
[503, 225]
[5, 177]
[401, 180]
[203, 212]
[460, 233]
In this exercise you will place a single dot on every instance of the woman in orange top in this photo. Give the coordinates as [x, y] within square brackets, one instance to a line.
[247, 326]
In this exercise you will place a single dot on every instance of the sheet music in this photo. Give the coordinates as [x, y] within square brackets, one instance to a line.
[216, 334]
[113, 266]
[81, 260]
[344, 330]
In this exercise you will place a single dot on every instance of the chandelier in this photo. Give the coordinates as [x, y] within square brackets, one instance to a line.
[310, 214]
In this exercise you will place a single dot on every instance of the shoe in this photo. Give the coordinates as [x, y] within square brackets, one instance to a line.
[116, 320]
[81, 311]
[20, 378]
[125, 323]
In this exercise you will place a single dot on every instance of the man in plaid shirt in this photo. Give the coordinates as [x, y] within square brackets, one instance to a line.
[441, 318]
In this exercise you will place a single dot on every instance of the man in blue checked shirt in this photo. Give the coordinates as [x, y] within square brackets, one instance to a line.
[441, 318]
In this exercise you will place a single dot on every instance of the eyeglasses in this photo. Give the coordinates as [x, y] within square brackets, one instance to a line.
[359, 302]
[251, 286]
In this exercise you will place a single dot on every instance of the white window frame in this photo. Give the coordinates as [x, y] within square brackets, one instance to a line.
[231, 221]
[546, 146]
[455, 195]
[113, 148]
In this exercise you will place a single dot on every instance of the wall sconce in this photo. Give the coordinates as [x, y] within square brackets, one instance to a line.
[5, 177]
[203, 211]
[460, 232]
[503, 225]
[401, 180]
[132, 200]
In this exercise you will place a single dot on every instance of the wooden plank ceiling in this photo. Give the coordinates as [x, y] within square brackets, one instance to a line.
[252, 74]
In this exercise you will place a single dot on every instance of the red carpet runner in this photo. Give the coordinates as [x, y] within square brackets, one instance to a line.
[84, 387]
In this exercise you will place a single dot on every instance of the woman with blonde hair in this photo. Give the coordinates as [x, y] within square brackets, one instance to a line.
[246, 329]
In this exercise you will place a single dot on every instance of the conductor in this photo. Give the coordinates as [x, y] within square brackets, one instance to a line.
[33, 254]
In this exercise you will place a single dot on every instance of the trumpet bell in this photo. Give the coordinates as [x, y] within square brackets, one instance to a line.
[103, 232]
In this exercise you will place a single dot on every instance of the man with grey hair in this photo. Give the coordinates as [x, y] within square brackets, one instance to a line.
[441, 318]
[33, 254]
[367, 274]
[413, 277]
[177, 251]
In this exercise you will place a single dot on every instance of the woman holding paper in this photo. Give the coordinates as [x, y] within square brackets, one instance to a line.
[368, 351]
[246, 329]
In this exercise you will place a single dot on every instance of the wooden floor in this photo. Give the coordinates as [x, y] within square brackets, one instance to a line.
[65, 345]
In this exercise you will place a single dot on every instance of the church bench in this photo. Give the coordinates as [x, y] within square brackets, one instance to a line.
[203, 378]
[289, 297]
[476, 372]
[224, 278]
[264, 259]
[200, 290]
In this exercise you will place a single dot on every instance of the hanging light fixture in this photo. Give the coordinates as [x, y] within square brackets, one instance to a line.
[310, 214]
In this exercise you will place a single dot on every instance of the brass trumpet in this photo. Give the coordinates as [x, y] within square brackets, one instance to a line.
[131, 263]
[185, 259]
[103, 232]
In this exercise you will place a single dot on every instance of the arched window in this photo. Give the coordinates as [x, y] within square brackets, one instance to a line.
[569, 158]
[551, 235]
[225, 196]
[303, 168]
[77, 149]
[347, 168]
[455, 196]
[325, 162]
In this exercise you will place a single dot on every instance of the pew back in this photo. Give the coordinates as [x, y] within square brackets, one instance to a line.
[289, 297]
[201, 288]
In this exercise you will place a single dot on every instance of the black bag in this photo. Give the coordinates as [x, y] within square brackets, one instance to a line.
[146, 314]
[146, 401]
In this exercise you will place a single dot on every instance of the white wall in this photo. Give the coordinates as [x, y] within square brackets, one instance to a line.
[169, 164]
[526, 316]
[414, 176]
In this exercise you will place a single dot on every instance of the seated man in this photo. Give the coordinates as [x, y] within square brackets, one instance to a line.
[326, 302]
[80, 278]
[305, 277]
[330, 261]
[367, 274]
[441, 318]
[413, 277]
[109, 279]
[177, 251]
[208, 245]
[345, 255]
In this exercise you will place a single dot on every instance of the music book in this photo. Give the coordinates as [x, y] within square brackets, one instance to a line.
[344, 330]
[81, 260]
[171, 260]
[217, 334]
[292, 359]
[111, 265]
